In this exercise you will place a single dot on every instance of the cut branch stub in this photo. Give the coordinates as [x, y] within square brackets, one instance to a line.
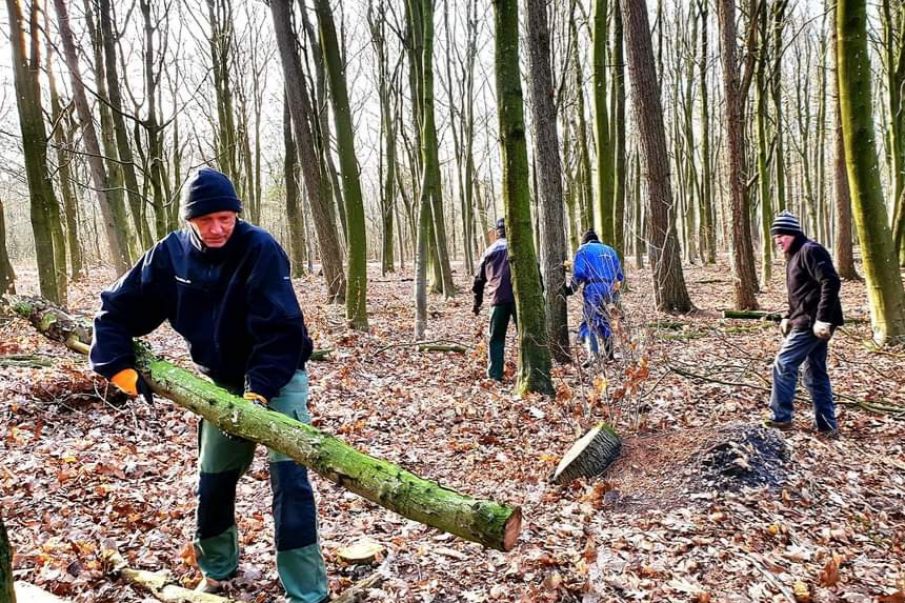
[589, 456]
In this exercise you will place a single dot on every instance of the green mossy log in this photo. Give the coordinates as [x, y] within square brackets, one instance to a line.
[486, 522]
[7, 594]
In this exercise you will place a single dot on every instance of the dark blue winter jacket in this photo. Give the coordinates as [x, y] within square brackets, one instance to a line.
[234, 305]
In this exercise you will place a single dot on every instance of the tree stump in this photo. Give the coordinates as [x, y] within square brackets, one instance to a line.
[589, 456]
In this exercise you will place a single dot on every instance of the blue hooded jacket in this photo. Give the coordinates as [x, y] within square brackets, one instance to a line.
[234, 305]
[598, 268]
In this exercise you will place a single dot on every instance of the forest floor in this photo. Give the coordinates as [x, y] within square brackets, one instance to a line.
[789, 516]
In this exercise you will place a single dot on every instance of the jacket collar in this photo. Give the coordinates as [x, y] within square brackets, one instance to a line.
[799, 241]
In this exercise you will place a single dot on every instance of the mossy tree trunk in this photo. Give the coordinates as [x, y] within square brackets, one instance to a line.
[43, 201]
[884, 283]
[357, 275]
[484, 521]
[603, 207]
[7, 592]
[843, 247]
[735, 86]
[670, 291]
[534, 352]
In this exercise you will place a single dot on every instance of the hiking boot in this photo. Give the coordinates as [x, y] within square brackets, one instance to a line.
[210, 586]
[781, 425]
[828, 434]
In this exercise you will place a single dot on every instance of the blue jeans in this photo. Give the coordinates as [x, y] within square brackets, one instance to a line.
[801, 346]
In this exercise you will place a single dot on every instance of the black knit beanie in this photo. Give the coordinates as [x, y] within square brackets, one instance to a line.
[208, 191]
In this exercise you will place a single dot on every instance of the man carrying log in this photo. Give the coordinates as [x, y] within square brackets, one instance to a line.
[598, 270]
[813, 314]
[224, 285]
[494, 269]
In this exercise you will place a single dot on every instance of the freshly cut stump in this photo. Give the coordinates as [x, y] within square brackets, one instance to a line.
[589, 456]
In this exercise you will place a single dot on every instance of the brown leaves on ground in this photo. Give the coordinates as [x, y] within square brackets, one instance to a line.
[80, 467]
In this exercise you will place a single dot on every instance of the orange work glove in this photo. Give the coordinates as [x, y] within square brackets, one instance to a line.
[129, 381]
[256, 398]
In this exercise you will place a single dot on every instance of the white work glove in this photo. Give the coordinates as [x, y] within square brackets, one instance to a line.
[785, 326]
[823, 330]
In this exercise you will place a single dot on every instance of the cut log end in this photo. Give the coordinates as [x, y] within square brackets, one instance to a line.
[512, 530]
[589, 456]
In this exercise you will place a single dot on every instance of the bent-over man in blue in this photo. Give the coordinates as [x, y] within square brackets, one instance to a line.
[598, 269]
[224, 285]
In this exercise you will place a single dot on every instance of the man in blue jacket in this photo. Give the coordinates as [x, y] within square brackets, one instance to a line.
[494, 270]
[598, 269]
[813, 314]
[224, 285]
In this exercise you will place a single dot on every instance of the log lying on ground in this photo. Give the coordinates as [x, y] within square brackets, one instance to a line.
[589, 456]
[752, 315]
[775, 316]
[439, 347]
[489, 523]
[29, 593]
[161, 584]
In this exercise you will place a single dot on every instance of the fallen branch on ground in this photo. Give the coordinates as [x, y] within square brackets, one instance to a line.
[437, 345]
[161, 584]
[896, 412]
[484, 521]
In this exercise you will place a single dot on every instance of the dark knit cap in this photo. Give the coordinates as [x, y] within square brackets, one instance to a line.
[501, 227]
[786, 224]
[208, 191]
[589, 236]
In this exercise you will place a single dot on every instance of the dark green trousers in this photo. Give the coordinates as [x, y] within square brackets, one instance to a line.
[499, 322]
[222, 461]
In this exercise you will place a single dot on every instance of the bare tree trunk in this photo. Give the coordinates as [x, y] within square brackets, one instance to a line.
[300, 108]
[617, 133]
[708, 215]
[220, 19]
[549, 169]
[114, 214]
[735, 86]
[669, 283]
[123, 144]
[293, 194]
[7, 274]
